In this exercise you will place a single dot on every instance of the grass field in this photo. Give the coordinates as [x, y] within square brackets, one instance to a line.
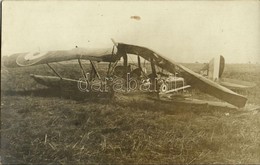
[40, 126]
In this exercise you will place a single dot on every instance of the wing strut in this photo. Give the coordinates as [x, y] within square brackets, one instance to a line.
[82, 69]
[139, 62]
[153, 67]
[95, 69]
[54, 71]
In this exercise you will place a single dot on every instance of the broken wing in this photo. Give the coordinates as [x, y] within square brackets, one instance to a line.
[194, 79]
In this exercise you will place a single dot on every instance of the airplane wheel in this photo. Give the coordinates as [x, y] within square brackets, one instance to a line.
[163, 88]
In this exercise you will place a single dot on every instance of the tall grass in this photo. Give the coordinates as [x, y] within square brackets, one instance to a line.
[127, 129]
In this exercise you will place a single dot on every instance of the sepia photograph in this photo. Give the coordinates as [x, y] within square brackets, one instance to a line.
[130, 82]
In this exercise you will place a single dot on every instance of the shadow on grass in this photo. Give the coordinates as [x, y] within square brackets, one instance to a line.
[46, 92]
[56, 92]
[151, 103]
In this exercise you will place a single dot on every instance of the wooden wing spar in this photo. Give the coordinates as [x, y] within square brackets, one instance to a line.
[192, 78]
[36, 58]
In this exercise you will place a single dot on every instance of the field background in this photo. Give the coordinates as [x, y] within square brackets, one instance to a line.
[40, 125]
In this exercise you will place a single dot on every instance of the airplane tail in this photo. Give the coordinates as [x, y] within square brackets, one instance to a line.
[214, 69]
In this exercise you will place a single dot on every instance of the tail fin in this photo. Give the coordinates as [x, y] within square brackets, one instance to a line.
[215, 68]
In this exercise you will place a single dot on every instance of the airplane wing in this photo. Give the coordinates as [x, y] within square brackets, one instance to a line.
[36, 58]
[194, 79]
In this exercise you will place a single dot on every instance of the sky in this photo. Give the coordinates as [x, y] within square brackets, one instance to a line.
[185, 31]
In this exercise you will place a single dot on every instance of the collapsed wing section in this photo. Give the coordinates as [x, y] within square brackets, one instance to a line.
[194, 79]
[36, 58]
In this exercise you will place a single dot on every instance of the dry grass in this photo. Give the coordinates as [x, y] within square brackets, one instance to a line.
[41, 127]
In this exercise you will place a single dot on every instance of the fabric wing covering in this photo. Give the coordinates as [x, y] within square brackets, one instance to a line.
[36, 58]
